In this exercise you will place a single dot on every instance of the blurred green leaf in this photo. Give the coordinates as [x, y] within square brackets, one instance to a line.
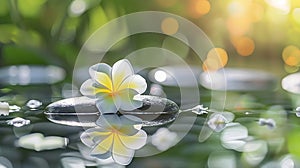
[293, 142]
[13, 55]
[27, 38]
[11, 33]
[8, 31]
[3, 7]
[97, 18]
[30, 8]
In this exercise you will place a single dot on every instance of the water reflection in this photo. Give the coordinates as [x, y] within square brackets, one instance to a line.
[238, 80]
[18, 122]
[220, 158]
[234, 136]
[5, 163]
[163, 139]
[37, 142]
[260, 133]
[34, 104]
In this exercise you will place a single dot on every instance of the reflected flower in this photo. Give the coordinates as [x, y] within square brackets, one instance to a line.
[234, 136]
[114, 87]
[4, 108]
[116, 136]
[163, 139]
[218, 121]
[255, 152]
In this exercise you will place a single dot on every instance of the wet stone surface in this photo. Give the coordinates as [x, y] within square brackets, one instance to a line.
[82, 111]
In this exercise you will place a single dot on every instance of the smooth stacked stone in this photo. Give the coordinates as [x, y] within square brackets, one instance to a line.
[237, 79]
[82, 111]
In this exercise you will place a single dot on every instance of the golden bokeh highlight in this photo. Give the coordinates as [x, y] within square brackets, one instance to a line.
[244, 46]
[169, 26]
[291, 55]
[238, 25]
[198, 8]
[241, 16]
[216, 58]
[292, 60]
[202, 7]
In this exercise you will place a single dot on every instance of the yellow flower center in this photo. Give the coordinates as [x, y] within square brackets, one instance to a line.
[113, 94]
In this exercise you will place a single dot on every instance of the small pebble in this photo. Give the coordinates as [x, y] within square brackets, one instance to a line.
[18, 122]
[34, 104]
[14, 108]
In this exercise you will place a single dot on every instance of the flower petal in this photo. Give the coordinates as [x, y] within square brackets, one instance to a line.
[104, 146]
[90, 89]
[130, 120]
[103, 156]
[135, 141]
[100, 67]
[93, 135]
[106, 104]
[129, 125]
[125, 100]
[103, 79]
[135, 82]
[120, 71]
[87, 89]
[120, 153]
[109, 122]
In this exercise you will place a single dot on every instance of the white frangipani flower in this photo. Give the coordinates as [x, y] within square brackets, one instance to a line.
[116, 136]
[114, 87]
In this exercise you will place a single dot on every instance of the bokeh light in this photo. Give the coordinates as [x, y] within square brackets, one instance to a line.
[77, 7]
[291, 55]
[244, 45]
[160, 76]
[216, 58]
[238, 25]
[198, 8]
[282, 5]
[169, 26]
